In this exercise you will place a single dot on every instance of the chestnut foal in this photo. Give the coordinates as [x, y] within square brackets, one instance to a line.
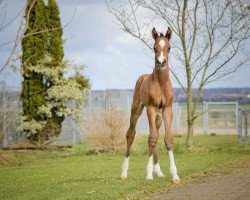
[154, 91]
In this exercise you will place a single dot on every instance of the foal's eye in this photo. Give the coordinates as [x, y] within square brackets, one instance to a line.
[169, 49]
[154, 49]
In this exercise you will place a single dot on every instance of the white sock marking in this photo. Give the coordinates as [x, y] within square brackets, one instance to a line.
[125, 166]
[157, 170]
[150, 168]
[173, 169]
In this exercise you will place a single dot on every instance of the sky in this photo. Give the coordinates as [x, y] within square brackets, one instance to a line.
[113, 59]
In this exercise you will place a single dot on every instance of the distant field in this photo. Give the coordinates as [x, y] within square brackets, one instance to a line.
[73, 174]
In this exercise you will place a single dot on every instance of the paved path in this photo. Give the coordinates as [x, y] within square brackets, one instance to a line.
[230, 183]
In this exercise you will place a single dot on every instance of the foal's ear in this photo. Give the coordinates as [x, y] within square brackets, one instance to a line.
[154, 33]
[169, 33]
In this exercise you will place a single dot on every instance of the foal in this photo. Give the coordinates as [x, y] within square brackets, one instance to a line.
[154, 91]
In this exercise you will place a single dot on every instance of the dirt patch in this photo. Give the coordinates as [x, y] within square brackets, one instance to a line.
[229, 182]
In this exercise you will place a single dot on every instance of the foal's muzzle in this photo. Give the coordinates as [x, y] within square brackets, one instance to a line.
[160, 64]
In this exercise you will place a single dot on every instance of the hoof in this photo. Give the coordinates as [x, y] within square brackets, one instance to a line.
[159, 175]
[149, 178]
[176, 181]
[124, 177]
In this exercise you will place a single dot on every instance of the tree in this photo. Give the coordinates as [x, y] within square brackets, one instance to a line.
[81, 80]
[55, 52]
[40, 33]
[34, 49]
[11, 46]
[48, 97]
[64, 98]
[210, 40]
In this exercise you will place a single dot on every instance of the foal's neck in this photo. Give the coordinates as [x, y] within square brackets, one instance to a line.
[161, 75]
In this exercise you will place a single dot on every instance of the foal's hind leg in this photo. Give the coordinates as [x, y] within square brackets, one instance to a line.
[167, 117]
[157, 168]
[152, 140]
[136, 111]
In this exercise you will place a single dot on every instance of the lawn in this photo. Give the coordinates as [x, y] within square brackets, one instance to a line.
[75, 174]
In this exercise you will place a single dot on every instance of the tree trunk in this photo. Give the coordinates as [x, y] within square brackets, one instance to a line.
[190, 129]
[190, 118]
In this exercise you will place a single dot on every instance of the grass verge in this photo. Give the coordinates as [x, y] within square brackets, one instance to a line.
[71, 174]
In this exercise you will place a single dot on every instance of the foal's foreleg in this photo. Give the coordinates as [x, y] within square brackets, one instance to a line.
[167, 117]
[136, 111]
[157, 168]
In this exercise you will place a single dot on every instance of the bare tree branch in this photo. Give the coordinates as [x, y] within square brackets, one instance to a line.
[211, 37]
[21, 32]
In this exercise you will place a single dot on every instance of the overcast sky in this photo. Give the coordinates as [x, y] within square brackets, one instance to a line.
[113, 58]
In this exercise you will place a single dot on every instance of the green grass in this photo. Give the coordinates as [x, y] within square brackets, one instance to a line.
[71, 174]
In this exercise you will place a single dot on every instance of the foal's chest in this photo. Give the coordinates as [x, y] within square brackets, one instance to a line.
[160, 97]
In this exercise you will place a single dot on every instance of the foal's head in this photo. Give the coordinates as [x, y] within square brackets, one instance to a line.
[161, 48]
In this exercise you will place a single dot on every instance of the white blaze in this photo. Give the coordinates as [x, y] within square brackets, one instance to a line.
[161, 57]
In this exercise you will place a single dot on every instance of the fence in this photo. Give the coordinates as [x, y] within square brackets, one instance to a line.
[10, 108]
[215, 117]
[220, 117]
[98, 101]
[243, 115]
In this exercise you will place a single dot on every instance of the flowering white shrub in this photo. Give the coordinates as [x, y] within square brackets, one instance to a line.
[30, 127]
[65, 96]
